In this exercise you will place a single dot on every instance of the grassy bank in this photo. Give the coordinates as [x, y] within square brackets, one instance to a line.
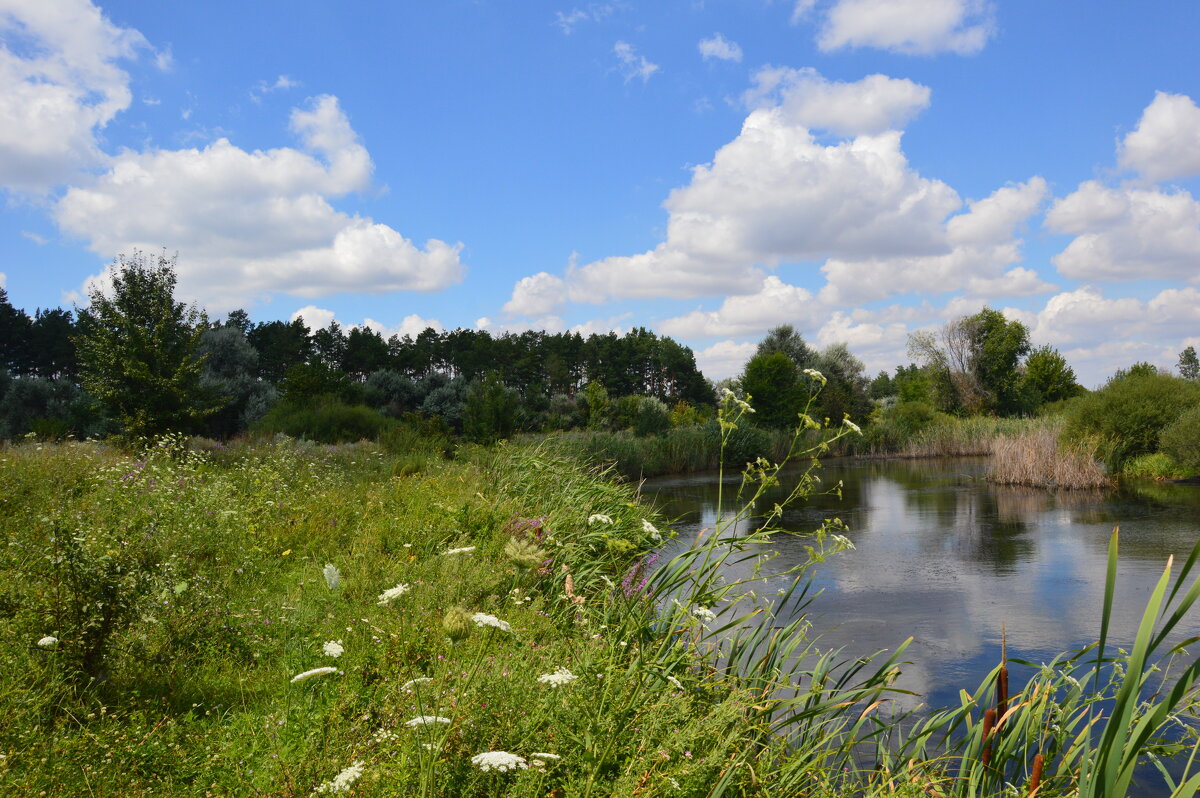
[284, 619]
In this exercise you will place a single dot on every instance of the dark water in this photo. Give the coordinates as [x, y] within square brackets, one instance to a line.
[947, 558]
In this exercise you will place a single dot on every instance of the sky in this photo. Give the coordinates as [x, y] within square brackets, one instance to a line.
[707, 169]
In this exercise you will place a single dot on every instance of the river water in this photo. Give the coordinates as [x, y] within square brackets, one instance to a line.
[945, 557]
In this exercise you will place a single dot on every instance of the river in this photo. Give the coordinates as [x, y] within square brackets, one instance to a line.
[947, 558]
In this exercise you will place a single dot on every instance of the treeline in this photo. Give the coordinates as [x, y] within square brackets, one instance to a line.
[243, 371]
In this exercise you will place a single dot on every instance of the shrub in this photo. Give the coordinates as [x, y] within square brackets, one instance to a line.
[328, 420]
[490, 412]
[1130, 413]
[1153, 466]
[1181, 440]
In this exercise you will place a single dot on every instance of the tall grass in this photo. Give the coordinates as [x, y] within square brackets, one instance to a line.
[1036, 456]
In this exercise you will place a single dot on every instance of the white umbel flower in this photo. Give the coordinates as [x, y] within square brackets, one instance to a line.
[851, 425]
[303, 677]
[49, 641]
[342, 782]
[333, 577]
[391, 594]
[411, 683]
[599, 518]
[704, 614]
[333, 648]
[502, 761]
[560, 677]
[651, 530]
[425, 720]
[483, 619]
[463, 550]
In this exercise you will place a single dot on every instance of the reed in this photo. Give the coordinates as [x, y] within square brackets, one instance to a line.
[1036, 457]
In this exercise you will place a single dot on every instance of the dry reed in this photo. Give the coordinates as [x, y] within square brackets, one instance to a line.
[1035, 457]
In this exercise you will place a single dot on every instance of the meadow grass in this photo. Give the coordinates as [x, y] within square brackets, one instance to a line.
[280, 618]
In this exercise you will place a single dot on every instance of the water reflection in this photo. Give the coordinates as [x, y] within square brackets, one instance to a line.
[945, 557]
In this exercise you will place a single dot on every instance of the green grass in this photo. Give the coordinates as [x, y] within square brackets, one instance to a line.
[186, 591]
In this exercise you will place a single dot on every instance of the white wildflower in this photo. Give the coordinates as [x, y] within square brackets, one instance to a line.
[333, 648]
[497, 760]
[391, 594]
[343, 781]
[49, 641]
[384, 736]
[425, 720]
[410, 684]
[848, 423]
[302, 677]
[678, 684]
[599, 518]
[544, 755]
[816, 375]
[651, 530]
[333, 577]
[483, 619]
[560, 677]
[704, 614]
[463, 550]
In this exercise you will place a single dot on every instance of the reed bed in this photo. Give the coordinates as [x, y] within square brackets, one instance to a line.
[1036, 457]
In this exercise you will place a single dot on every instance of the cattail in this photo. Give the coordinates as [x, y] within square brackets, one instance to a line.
[989, 720]
[1035, 780]
[1002, 692]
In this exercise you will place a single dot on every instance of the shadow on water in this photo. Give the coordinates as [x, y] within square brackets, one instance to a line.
[947, 558]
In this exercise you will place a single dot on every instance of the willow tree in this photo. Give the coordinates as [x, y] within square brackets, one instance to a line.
[138, 349]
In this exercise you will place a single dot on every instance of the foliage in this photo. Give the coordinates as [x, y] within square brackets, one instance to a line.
[1153, 466]
[774, 387]
[138, 350]
[325, 419]
[785, 340]
[1180, 440]
[1189, 364]
[490, 413]
[1130, 413]
[49, 408]
[1047, 376]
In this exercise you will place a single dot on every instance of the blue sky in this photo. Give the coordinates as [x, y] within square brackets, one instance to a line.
[705, 168]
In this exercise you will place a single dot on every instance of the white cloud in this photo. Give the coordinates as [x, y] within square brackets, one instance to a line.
[247, 224]
[537, 295]
[1085, 317]
[912, 27]
[314, 318]
[1166, 143]
[1128, 233]
[59, 84]
[717, 46]
[631, 64]
[567, 21]
[871, 105]
[978, 253]
[724, 359]
[3, 280]
[774, 304]
[281, 83]
[878, 345]
[34, 237]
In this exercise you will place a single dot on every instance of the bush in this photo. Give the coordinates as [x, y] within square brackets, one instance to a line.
[1181, 440]
[328, 420]
[490, 412]
[1130, 413]
[1153, 466]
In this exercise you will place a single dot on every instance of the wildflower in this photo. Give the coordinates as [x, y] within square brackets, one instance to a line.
[651, 530]
[483, 619]
[463, 550]
[678, 684]
[704, 614]
[302, 677]
[523, 553]
[560, 677]
[343, 781]
[599, 518]
[384, 736]
[502, 761]
[538, 758]
[333, 577]
[848, 423]
[425, 720]
[391, 594]
[49, 641]
[410, 684]
[456, 624]
[333, 648]
[816, 375]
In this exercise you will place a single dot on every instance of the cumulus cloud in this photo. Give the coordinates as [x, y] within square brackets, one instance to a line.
[251, 223]
[724, 359]
[774, 304]
[631, 64]
[60, 83]
[869, 106]
[1127, 233]
[1166, 143]
[878, 345]
[717, 46]
[316, 318]
[1086, 318]
[537, 295]
[911, 27]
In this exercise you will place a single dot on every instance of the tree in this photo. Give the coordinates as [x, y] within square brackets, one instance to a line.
[772, 383]
[490, 412]
[14, 336]
[1048, 377]
[786, 340]
[972, 363]
[138, 349]
[1189, 364]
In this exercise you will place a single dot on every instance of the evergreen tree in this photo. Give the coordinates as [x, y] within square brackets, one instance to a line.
[1189, 364]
